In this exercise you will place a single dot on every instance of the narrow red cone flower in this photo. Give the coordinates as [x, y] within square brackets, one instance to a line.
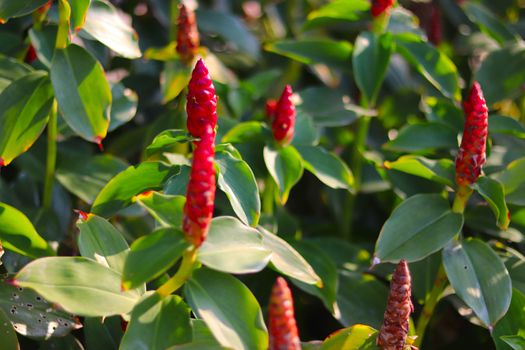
[200, 195]
[380, 6]
[471, 155]
[394, 330]
[187, 34]
[282, 325]
[284, 117]
[201, 104]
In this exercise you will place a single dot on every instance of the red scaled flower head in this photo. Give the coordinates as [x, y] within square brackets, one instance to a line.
[282, 329]
[200, 195]
[471, 155]
[380, 6]
[201, 103]
[284, 117]
[394, 330]
[187, 34]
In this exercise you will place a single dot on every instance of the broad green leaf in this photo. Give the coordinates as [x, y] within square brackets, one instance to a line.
[237, 180]
[102, 333]
[86, 176]
[166, 140]
[479, 278]
[157, 323]
[369, 61]
[99, 240]
[18, 8]
[434, 65]
[166, 209]
[174, 78]
[513, 323]
[338, 10]
[79, 10]
[24, 111]
[423, 137]
[499, 124]
[9, 339]
[81, 286]
[287, 260]
[18, 234]
[11, 70]
[82, 92]
[412, 234]
[105, 23]
[444, 111]
[358, 337]
[517, 342]
[492, 191]
[403, 21]
[160, 249]
[441, 171]
[33, 316]
[123, 107]
[233, 247]
[120, 190]
[251, 131]
[512, 177]
[489, 23]
[515, 264]
[286, 167]
[305, 131]
[229, 309]
[178, 184]
[311, 51]
[43, 40]
[326, 166]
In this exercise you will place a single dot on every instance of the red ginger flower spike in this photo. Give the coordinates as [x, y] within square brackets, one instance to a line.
[284, 117]
[471, 155]
[380, 6]
[200, 195]
[394, 330]
[282, 325]
[187, 34]
[201, 104]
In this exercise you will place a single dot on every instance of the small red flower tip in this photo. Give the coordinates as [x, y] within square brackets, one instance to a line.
[471, 155]
[123, 324]
[187, 34]
[200, 195]
[284, 117]
[30, 54]
[12, 282]
[82, 215]
[2, 162]
[44, 8]
[271, 106]
[380, 6]
[282, 326]
[98, 141]
[201, 104]
[394, 330]
[434, 30]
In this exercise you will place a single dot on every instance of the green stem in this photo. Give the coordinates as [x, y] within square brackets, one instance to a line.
[64, 13]
[174, 14]
[268, 195]
[460, 201]
[51, 155]
[186, 268]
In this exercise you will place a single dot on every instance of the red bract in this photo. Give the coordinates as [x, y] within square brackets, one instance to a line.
[30, 54]
[394, 330]
[434, 31]
[271, 105]
[471, 155]
[200, 195]
[201, 103]
[284, 117]
[187, 34]
[282, 325]
[380, 6]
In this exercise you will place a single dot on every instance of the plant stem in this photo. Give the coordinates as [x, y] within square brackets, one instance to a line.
[268, 196]
[64, 13]
[184, 272]
[460, 201]
[51, 155]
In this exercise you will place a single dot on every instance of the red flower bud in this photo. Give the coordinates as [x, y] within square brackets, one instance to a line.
[394, 330]
[282, 325]
[380, 6]
[434, 31]
[187, 34]
[30, 54]
[271, 106]
[200, 195]
[201, 103]
[471, 155]
[284, 117]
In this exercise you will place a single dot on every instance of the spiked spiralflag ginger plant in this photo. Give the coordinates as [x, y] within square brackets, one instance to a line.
[187, 34]
[284, 117]
[282, 326]
[201, 105]
[394, 331]
[380, 6]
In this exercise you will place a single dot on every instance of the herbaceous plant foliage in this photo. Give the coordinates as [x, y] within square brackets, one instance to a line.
[253, 175]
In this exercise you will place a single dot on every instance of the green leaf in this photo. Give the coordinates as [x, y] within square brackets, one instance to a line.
[166, 140]
[178, 184]
[166, 209]
[412, 234]
[370, 61]
[444, 111]
[326, 166]
[18, 8]
[479, 278]
[79, 10]
[512, 177]
[492, 191]
[18, 234]
[517, 342]
[9, 339]
[489, 23]
[423, 137]
[233, 247]
[358, 337]
[287, 260]
[237, 180]
[82, 92]
[123, 107]
[24, 111]
[158, 323]
[118, 192]
[174, 78]
[513, 323]
[79, 285]
[286, 167]
[106, 24]
[160, 249]
[251, 131]
[305, 132]
[102, 242]
[43, 40]
[311, 51]
[441, 171]
[229, 309]
[102, 333]
[499, 124]
[434, 65]
[338, 10]
[11, 70]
